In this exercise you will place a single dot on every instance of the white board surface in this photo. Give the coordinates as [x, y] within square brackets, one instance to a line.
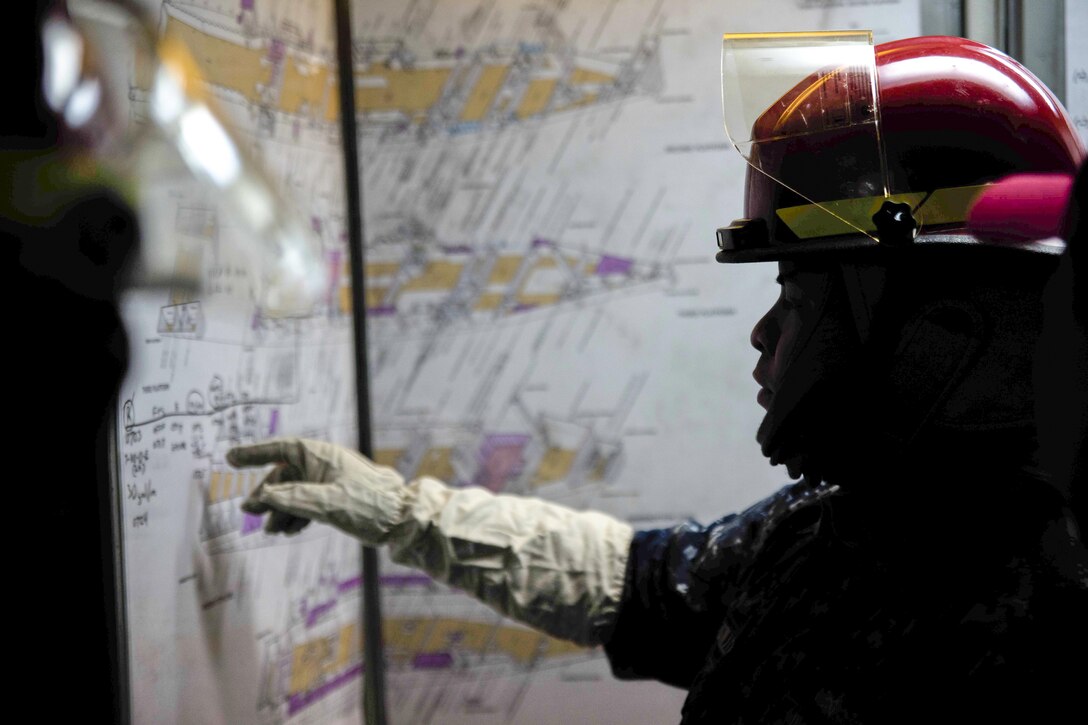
[541, 186]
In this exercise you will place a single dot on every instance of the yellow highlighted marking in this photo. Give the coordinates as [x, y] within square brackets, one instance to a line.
[308, 663]
[348, 647]
[504, 271]
[483, 93]
[345, 299]
[221, 62]
[524, 646]
[446, 634]
[381, 269]
[549, 298]
[580, 76]
[536, 97]
[375, 296]
[436, 463]
[436, 276]
[600, 467]
[489, 301]
[555, 466]
[411, 91]
[405, 638]
[227, 484]
[310, 88]
[388, 456]
[314, 661]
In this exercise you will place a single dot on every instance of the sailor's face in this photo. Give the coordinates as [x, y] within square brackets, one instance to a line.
[779, 334]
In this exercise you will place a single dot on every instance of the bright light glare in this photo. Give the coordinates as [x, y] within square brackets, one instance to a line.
[167, 97]
[63, 61]
[255, 204]
[206, 146]
[83, 103]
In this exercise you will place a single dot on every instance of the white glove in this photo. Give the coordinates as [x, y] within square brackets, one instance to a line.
[554, 568]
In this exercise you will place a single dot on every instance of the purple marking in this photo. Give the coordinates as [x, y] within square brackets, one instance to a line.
[538, 242]
[348, 584]
[382, 310]
[501, 459]
[315, 224]
[250, 523]
[613, 265]
[274, 422]
[277, 50]
[247, 4]
[432, 661]
[522, 307]
[456, 249]
[300, 700]
[313, 615]
[335, 259]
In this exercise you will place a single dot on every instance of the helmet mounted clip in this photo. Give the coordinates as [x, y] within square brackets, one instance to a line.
[895, 224]
[743, 234]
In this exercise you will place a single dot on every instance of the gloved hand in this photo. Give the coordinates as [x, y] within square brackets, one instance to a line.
[322, 481]
[554, 568]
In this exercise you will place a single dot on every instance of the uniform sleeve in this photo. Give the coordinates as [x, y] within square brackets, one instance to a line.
[680, 584]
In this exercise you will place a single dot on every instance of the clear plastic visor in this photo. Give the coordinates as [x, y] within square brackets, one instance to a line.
[803, 108]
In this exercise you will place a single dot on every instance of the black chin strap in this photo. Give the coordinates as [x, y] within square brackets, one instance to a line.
[935, 351]
[931, 353]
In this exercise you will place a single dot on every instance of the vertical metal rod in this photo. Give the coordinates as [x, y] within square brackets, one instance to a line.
[374, 662]
[1014, 29]
[114, 563]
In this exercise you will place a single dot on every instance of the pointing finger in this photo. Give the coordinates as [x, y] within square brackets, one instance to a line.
[261, 454]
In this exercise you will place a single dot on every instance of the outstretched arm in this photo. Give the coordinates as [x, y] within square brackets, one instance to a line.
[554, 568]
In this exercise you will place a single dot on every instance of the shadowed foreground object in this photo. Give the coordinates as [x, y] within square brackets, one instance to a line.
[1027, 207]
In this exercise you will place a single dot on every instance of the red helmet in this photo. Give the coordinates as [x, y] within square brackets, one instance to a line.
[878, 149]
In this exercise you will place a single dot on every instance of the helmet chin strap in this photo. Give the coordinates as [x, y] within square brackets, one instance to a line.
[865, 285]
[935, 349]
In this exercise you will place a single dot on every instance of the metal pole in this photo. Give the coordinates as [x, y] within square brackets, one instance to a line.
[374, 662]
[1014, 29]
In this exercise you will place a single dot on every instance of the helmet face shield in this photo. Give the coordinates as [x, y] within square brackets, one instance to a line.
[854, 146]
[801, 108]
